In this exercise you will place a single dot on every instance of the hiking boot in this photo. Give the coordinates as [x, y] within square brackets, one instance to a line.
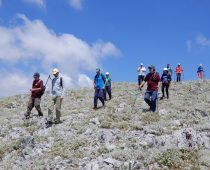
[40, 114]
[94, 108]
[27, 116]
[48, 124]
[161, 98]
[57, 122]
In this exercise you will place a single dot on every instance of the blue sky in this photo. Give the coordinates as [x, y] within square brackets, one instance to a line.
[78, 35]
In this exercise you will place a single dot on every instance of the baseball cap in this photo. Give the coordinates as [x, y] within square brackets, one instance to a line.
[55, 71]
[36, 75]
[151, 67]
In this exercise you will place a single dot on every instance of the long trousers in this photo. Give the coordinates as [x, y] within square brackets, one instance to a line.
[55, 104]
[34, 102]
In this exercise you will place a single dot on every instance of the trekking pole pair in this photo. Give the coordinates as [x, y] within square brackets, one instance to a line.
[139, 89]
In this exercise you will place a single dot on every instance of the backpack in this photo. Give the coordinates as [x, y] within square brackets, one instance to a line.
[43, 89]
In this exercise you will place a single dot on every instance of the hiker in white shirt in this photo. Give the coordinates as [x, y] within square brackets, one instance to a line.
[142, 72]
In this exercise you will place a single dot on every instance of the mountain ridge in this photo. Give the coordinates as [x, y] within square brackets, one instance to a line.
[177, 137]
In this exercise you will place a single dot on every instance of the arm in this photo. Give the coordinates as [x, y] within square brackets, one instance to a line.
[63, 89]
[40, 88]
[142, 84]
[159, 83]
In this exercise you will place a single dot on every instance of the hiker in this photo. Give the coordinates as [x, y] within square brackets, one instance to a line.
[153, 84]
[142, 72]
[179, 71]
[99, 82]
[108, 86]
[166, 80]
[36, 94]
[57, 93]
[170, 70]
[200, 72]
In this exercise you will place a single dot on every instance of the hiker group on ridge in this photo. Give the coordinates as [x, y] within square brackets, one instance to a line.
[103, 86]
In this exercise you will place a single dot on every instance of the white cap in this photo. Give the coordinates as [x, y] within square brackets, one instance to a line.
[141, 64]
[55, 71]
[165, 69]
[200, 65]
[107, 73]
[179, 64]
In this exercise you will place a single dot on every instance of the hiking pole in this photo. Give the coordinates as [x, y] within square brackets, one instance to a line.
[135, 99]
[157, 103]
[47, 80]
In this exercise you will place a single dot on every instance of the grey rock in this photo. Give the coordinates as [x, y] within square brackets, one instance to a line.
[115, 163]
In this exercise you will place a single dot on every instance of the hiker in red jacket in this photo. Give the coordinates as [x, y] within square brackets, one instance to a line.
[36, 94]
[179, 72]
[153, 84]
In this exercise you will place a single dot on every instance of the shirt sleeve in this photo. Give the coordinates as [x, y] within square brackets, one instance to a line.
[162, 77]
[158, 78]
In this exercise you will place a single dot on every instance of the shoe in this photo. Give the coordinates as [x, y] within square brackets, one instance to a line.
[27, 116]
[161, 98]
[94, 108]
[57, 122]
[40, 114]
[48, 124]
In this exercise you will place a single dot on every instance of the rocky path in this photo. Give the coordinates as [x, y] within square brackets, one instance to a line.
[178, 137]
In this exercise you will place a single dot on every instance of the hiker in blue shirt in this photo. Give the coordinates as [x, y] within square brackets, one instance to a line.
[99, 82]
[108, 85]
[170, 70]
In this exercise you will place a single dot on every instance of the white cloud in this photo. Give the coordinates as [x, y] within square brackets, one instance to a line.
[40, 3]
[33, 41]
[15, 83]
[203, 41]
[84, 81]
[76, 4]
[189, 45]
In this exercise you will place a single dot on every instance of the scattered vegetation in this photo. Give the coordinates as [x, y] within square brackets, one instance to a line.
[150, 118]
[174, 158]
[68, 149]
[8, 147]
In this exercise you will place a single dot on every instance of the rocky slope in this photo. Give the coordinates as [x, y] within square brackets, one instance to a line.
[178, 137]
